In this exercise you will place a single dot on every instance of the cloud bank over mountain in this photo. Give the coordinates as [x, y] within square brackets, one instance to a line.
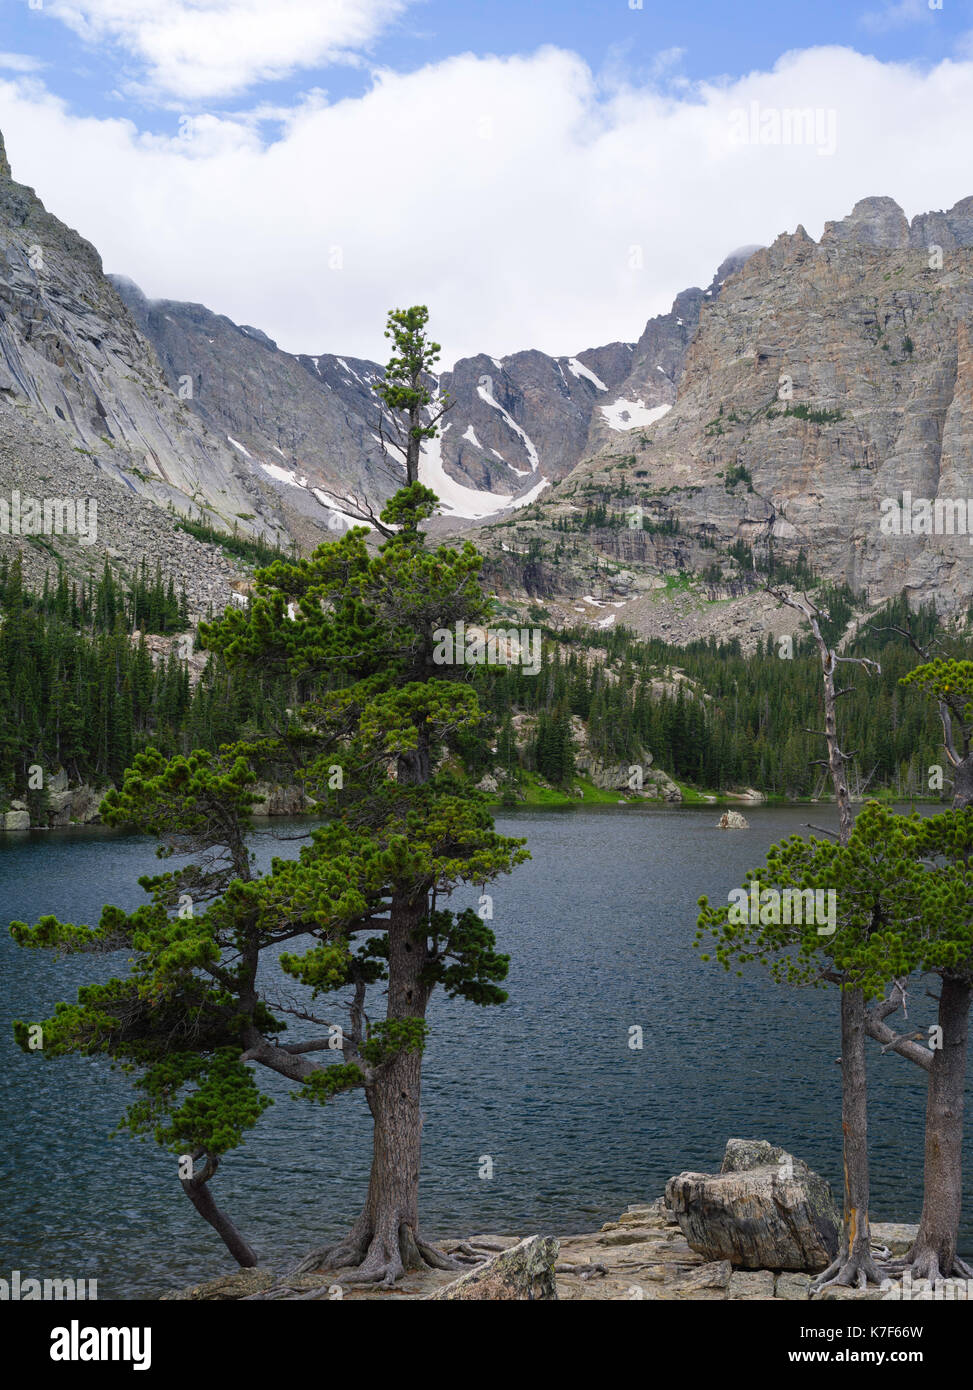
[527, 201]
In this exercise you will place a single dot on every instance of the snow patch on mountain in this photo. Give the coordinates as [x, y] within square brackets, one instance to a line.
[579, 370]
[485, 395]
[281, 475]
[463, 501]
[627, 415]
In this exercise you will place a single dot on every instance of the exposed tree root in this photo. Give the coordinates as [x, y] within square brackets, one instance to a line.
[849, 1272]
[366, 1256]
[351, 1250]
[437, 1259]
[465, 1254]
[924, 1264]
[383, 1264]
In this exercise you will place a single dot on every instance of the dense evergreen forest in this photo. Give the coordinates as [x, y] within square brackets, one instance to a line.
[738, 720]
[76, 691]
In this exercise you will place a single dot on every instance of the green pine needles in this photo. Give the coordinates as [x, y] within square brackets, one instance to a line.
[227, 963]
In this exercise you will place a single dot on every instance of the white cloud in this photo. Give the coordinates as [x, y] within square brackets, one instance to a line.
[507, 194]
[20, 62]
[198, 49]
[896, 15]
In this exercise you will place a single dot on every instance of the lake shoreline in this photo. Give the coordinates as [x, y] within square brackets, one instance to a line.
[641, 1256]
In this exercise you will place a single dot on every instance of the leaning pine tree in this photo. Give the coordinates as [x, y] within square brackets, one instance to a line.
[360, 909]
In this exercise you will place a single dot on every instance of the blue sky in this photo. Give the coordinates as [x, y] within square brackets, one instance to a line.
[542, 174]
[702, 40]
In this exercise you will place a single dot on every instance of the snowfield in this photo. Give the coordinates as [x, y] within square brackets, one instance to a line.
[486, 396]
[628, 415]
[578, 369]
[463, 501]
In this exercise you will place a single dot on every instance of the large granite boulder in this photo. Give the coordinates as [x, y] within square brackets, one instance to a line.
[524, 1272]
[765, 1209]
[15, 820]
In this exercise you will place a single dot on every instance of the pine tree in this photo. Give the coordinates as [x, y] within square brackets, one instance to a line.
[192, 1017]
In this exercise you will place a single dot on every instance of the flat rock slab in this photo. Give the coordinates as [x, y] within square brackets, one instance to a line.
[688, 1282]
[793, 1287]
[751, 1283]
[896, 1236]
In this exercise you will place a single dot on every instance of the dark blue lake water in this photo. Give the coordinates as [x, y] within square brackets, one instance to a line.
[599, 925]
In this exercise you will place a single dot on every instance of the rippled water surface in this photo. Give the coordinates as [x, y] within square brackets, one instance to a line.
[599, 926]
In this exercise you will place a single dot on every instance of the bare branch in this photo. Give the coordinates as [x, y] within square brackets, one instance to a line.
[357, 507]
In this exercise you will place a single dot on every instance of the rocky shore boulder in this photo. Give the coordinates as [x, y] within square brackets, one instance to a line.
[524, 1272]
[59, 806]
[278, 800]
[765, 1209]
[638, 779]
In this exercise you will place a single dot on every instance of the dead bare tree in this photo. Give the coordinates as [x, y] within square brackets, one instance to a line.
[854, 1263]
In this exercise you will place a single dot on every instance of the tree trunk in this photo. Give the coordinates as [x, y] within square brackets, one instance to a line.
[934, 1253]
[390, 1219]
[854, 1127]
[392, 1206]
[197, 1190]
[385, 1241]
[413, 445]
[963, 783]
[854, 1263]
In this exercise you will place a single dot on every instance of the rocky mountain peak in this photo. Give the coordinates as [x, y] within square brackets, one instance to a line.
[4, 161]
[79, 381]
[946, 229]
[824, 380]
[878, 223]
[790, 248]
[735, 261]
